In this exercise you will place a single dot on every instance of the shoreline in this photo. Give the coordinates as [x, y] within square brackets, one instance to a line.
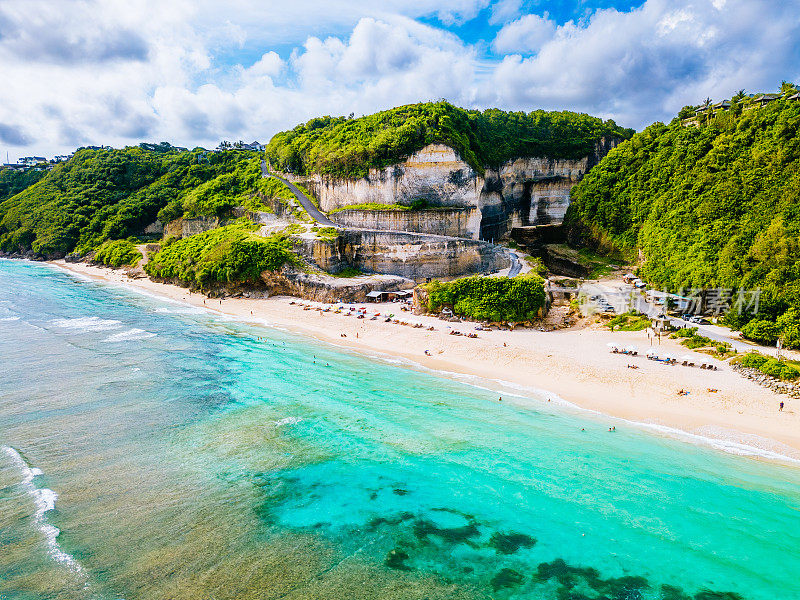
[572, 366]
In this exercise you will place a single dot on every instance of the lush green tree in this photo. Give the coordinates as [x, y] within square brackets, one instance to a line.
[350, 147]
[234, 253]
[489, 298]
[106, 194]
[714, 206]
[13, 181]
[117, 253]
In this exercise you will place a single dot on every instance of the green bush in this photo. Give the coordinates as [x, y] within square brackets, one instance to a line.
[697, 341]
[789, 324]
[684, 333]
[234, 253]
[761, 331]
[117, 253]
[630, 321]
[753, 360]
[489, 298]
[770, 366]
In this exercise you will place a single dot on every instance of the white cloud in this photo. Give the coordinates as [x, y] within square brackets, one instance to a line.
[526, 34]
[643, 65]
[195, 71]
[504, 11]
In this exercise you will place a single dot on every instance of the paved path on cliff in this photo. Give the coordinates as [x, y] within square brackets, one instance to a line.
[312, 210]
[516, 265]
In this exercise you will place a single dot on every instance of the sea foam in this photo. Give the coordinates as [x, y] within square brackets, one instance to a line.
[130, 335]
[87, 324]
[44, 500]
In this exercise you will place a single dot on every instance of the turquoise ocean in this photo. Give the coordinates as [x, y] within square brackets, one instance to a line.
[151, 450]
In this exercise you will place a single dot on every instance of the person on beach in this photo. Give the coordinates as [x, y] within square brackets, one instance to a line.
[781, 406]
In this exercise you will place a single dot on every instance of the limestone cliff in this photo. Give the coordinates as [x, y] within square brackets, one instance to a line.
[523, 191]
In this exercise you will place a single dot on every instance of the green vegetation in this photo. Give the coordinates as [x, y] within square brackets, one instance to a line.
[349, 147]
[101, 195]
[536, 264]
[241, 185]
[692, 340]
[326, 233]
[117, 253]
[234, 253]
[419, 204]
[630, 321]
[489, 298]
[773, 367]
[370, 206]
[348, 272]
[716, 206]
[13, 182]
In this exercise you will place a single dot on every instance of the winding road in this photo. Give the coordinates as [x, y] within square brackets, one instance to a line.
[304, 200]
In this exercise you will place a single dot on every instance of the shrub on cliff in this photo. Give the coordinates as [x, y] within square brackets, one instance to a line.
[489, 298]
[117, 253]
[234, 253]
[350, 147]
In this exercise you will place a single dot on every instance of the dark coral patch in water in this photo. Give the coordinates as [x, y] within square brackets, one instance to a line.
[396, 559]
[671, 592]
[378, 521]
[400, 491]
[455, 535]
[710, 595]
[509, 543]
[507, 578]
[625, 588]
[614, 588]
[567, 575]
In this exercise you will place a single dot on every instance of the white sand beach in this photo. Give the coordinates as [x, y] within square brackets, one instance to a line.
[573, 365]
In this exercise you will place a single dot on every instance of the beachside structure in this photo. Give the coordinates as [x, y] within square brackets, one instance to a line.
[382, 296]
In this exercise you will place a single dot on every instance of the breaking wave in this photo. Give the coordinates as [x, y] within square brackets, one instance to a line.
[87, 324]
[130, 335]
[44, 500]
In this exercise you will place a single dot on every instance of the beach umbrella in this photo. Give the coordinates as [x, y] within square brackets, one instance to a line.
[631, 349]
[687, 358]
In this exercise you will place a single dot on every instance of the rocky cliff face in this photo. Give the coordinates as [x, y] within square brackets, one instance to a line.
[410, 255]
[521, 192]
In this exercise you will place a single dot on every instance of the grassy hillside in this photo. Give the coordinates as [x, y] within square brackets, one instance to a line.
[349, 147]
[104, 195]
[715, 206]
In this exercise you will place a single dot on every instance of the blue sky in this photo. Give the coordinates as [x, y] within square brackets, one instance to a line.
[193, 72]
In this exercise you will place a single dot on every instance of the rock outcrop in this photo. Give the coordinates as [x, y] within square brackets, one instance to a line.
[410, 255]
[322, 288]
[520, 192]
[453, 222]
